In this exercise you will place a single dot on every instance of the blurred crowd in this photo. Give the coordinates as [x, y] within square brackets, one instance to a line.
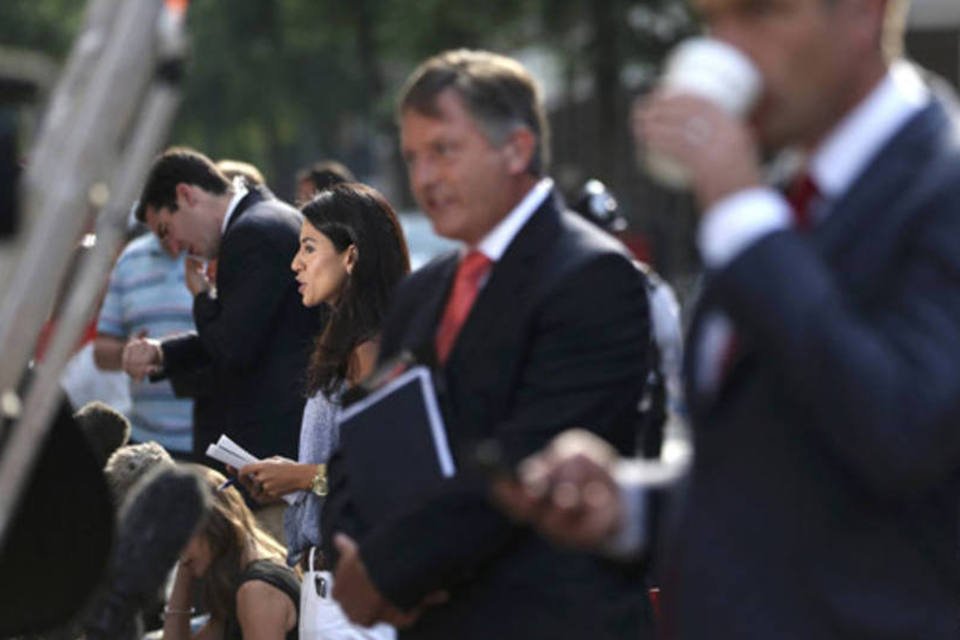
[785, 465]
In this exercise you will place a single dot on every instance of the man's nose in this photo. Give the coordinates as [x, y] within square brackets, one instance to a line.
[423, 173]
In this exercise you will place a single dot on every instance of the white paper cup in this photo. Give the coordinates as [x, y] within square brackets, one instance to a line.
[713, 70]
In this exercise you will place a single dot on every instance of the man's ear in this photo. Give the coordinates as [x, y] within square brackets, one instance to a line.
[184, 193]
[519, 150]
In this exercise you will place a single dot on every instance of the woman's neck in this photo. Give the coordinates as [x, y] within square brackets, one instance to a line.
[363, 360]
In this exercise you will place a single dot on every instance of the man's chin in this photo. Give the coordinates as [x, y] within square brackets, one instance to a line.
[451, 227]
[441, 225]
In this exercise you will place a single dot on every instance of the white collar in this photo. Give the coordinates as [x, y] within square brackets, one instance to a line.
[239, 191]
[495, 243]
[849, 148]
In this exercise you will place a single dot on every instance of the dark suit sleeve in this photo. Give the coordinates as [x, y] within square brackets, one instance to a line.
[585, 363]
[190, 384]
[254, 278]
[882, 375]
[183, 354]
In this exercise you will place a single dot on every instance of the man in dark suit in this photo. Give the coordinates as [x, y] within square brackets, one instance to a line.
[252, 329]
[823, 499]
[540, 321]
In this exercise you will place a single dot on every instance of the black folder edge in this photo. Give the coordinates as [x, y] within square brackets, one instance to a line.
[420, 375]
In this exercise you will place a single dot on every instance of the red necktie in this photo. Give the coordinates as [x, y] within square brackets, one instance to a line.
[466, 285]
[800, 195]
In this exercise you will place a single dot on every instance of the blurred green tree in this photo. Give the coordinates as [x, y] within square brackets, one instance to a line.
[281, 83]
[45, 25]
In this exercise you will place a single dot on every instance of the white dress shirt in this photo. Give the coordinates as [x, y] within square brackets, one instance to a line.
[495, 243]
[239, 191]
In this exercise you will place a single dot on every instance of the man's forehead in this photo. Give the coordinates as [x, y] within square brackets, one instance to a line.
[159, 210]
[445, 107]
[706, 8]
[156, 217]
[452, 120]
[421, 127]
[151, 214]
[422, 117]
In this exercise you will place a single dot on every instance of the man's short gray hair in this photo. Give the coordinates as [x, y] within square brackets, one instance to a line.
[497, 91]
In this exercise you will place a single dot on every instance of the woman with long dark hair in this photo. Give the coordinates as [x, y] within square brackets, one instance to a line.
[246, 588]
[352, 254]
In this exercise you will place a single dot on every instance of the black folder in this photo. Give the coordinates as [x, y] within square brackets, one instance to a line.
[394, 447]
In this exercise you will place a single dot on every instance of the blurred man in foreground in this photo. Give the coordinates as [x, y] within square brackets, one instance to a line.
[542, 320]
[823, 362]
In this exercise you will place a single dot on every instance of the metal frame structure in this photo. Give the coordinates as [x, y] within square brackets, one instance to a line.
[107, 118]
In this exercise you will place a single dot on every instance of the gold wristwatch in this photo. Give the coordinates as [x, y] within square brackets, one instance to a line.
[319, 483]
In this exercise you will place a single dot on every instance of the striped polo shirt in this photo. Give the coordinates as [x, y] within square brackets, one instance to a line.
[147, 292]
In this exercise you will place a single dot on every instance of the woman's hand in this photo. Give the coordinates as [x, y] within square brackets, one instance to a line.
[248, 483]
[177, 612]
[276, 476]
[182, 583]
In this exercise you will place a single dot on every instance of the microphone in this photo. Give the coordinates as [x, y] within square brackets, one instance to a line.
[105, 428]
[157, 522]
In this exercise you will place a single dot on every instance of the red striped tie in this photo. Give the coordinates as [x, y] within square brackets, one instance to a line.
[466, 285]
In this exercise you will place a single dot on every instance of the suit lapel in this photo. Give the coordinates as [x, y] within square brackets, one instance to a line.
[510, 280]
[875, 197]
[480, 374]
[425, 316]
[254, 195]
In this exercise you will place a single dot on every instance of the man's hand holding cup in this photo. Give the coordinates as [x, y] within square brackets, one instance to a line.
[691, 128]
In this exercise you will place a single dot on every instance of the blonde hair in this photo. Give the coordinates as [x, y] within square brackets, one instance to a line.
[129, 463]
[231, 531]
[235, 168]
